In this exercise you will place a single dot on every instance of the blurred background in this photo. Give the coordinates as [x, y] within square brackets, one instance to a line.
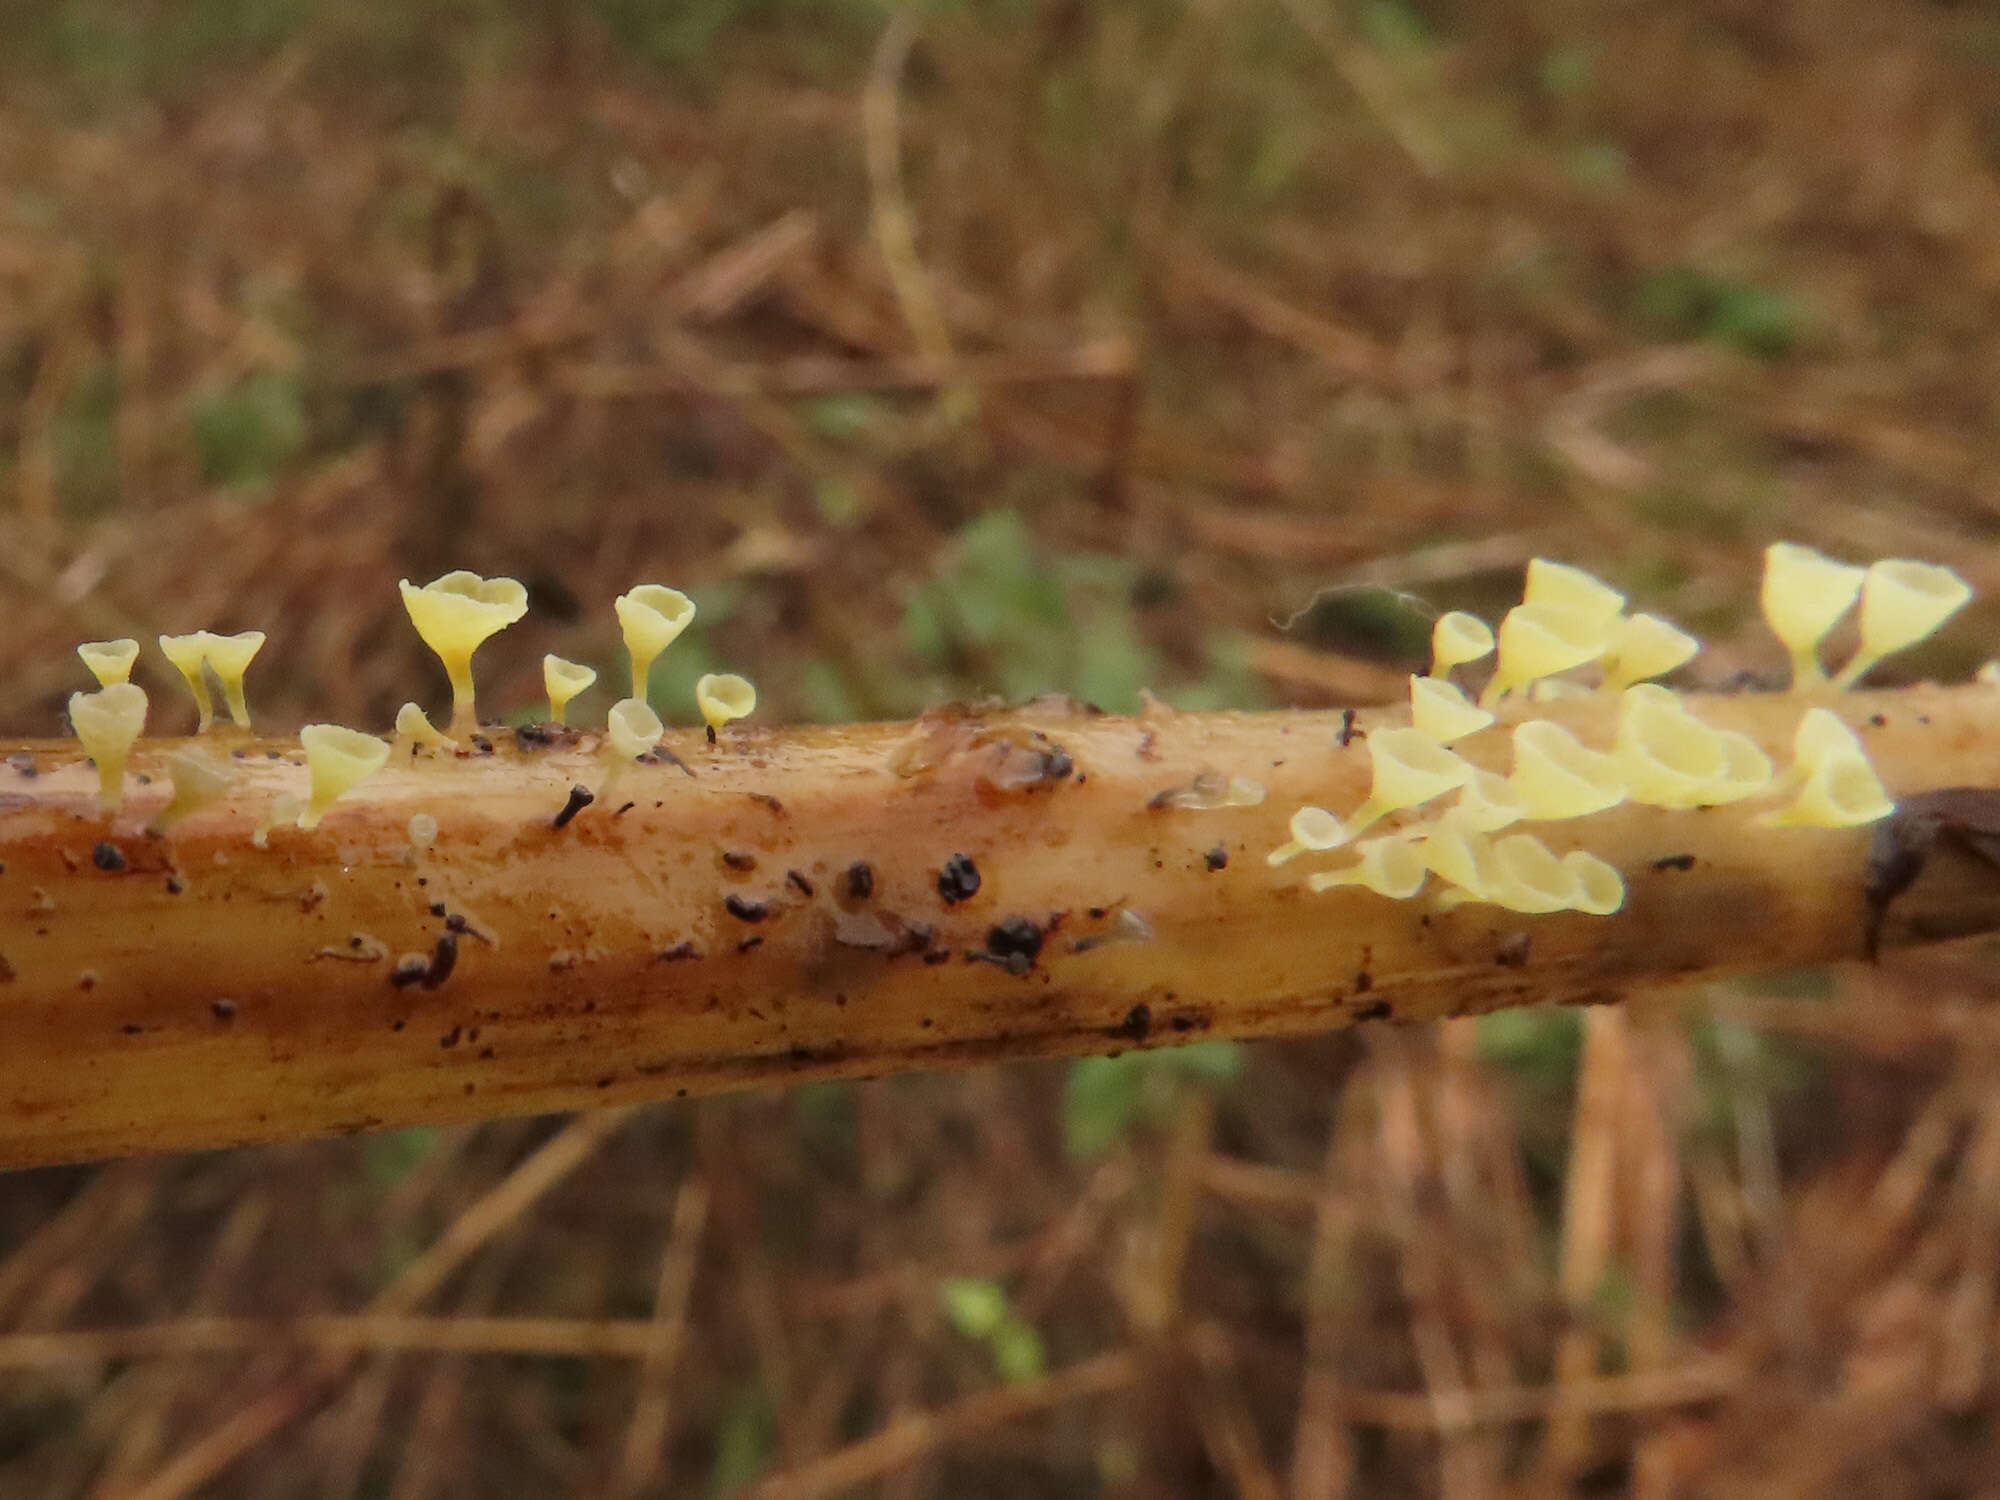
[1011, 347]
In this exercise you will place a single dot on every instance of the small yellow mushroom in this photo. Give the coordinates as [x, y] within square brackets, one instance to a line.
[1410, 768]
[110, 661]
[1805, 593]
[564, 680]
[652, 617]
[1456, 639]
[229, 656]
[1392, 866]
[108, 721]
[280, 812]
[1313, 829]
[1566, 587]
[1524, 875]
[455, 615]
[423, 832]
[1487, 803]
[1440, 710]
[1540, 640]
[1901, 603]
[631, 730]
[199, 779]
[723, 696]
[1644, 646]
[189, 653]
[1460, 853]
[338, 760]
[414, 725]
[1842, 791]
[1556, 776]
[1669, 758]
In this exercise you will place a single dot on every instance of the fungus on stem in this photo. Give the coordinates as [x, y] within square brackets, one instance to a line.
[108, 722]
[652, 617]
[455, 615]
[110, 661]
[563, 680]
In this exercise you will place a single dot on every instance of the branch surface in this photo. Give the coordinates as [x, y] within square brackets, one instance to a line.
[810, 903]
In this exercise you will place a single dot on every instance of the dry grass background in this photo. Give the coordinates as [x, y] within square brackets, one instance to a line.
[1011, 347]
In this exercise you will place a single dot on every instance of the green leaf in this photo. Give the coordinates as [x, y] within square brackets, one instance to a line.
[974, 1305]
[1100, 1103]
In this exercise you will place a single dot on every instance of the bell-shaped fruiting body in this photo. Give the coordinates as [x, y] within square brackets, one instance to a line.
[1440, 710]
[1901, 603]
[1459, 853]
[1842, 791]
[652, 617]
[1410, 768]
[1391, 866]
[1520, 873]
[1669, 758]
[1313, 829]
[282, 810]
[1456, 639]
[108, 721]
[1645, 646]
[110, 661]
[1487, 803]
[1804, 595]
[229, 656]
[337, 760]
[1557, 776]
[455, 615]
[723, 696]
[564, 680]
[199, 779]
[423, 832]
[1540, 640]
[1566, 587]
[414, 725]
[633, 729]
[188, 654]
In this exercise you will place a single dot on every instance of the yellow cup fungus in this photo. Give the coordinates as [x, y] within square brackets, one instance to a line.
[108, 721]
[564, 680]
[1520, 873]
[423, 832]
[110, 661]
[1314, 829]
[723, 696]
[188, 654]
[1556, 776]
[337, 760]
[1838, 788]
[455, 615]
[632, 729]
[199, 779]
[1669, 758]
[652, 617]
[1458, 851]
[1540, 640]
[1487, 802]
[1456, 639]
[229, 657]
[1570, 588]
[1805, 593]
[1410, 768]
[1439, 710]
[1901, 603]
[414, 725]
[1645, 646]
[1392, 866]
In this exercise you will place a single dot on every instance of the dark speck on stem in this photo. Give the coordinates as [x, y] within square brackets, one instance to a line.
[744, 909]
[958, 880]
[108, 857]
[580, 797]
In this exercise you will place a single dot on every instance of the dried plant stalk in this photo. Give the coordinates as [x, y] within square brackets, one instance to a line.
[821, 902]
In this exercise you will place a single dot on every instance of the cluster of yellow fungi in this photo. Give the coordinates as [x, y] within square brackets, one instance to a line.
[455, 615]
[1661, 754]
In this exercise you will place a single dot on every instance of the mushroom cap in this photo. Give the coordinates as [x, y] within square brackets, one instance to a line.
[1555, 775]
[456, 612]
[230, 655]
[110, 661]
[1458, 638]
[1903, 601]
[633, 727]
[723, 696]
[1805, 593]
[1440, 710]
[652, 616]
[1568, 587]
[108, 720]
